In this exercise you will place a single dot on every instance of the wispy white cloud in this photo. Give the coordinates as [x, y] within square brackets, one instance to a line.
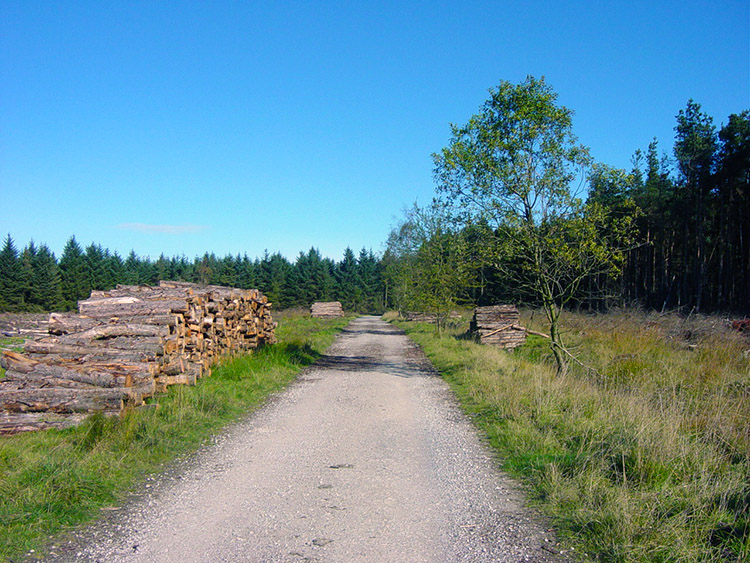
[165, 229]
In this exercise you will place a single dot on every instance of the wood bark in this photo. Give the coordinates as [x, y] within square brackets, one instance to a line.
[66, 400]
[15, 422]
[127, 306]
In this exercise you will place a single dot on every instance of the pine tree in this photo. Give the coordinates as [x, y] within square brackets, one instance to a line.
[76, 282]
[11, 284]
[25, 264]
[349, 286]
[45, 285]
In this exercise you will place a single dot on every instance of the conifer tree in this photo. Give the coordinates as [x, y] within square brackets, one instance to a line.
[45, 282]
[75, 282]
[349, 287]
[11, 284]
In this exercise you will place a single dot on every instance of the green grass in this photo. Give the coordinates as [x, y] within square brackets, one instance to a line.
[645, 457]
[55, 479]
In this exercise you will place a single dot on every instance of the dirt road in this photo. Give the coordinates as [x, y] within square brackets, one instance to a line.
[365, 458]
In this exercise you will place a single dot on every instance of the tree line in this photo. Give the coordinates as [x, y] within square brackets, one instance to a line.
[523, 214]
[692, 217]
[34, 280]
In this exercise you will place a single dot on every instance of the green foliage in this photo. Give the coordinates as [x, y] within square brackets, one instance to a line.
[428, 266]
[54, 479]
[512, 165]
[76, 282]
[46, 289]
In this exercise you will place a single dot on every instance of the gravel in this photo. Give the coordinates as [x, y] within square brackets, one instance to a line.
[366, 457]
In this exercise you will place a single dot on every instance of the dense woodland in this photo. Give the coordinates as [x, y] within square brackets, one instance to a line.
[682, 216]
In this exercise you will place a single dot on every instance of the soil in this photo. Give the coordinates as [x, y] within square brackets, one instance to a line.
[366, 457]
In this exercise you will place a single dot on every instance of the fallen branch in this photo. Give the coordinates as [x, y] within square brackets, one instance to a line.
[516, 327]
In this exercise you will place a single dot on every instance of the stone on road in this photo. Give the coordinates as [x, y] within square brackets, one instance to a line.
[366, 457]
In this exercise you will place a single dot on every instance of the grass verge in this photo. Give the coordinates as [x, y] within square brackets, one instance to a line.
[644, 457]
[55, 479]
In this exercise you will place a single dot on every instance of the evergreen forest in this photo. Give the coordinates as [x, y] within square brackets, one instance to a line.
[33, 280]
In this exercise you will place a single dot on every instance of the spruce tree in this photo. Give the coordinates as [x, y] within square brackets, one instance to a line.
[349, 287]
[74, 273]
[25, 265]
[45, 281]
[11, 284]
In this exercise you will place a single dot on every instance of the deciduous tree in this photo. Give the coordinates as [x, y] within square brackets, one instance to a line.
[517, 165]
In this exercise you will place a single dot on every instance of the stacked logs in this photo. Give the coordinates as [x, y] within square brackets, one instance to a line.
[124, 346]
[498, 325]
[326, 310]
[419, 317]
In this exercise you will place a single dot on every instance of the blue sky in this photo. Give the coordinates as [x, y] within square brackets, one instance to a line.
[232, 127]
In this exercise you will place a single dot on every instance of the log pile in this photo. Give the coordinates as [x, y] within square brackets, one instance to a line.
[124, 346]
[326, 310]
[498, 325]
[419, 317]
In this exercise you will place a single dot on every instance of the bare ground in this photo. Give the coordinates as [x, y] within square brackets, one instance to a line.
[365, 458]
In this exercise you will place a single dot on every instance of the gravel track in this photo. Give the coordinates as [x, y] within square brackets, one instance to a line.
[366, 457]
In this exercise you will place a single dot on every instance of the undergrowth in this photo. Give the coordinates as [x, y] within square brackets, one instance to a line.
[55, 479]
[643, 455]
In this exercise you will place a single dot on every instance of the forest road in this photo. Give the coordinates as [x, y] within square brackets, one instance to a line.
[366, 457]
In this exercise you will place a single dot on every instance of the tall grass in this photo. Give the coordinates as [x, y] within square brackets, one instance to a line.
[55, 479]
[644, 455]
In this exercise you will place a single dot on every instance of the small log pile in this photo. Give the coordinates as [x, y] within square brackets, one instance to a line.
[419, 317]
[498, 325]
[326, 310]
[124, 346]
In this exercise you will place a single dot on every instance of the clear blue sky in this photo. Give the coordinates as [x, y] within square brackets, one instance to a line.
[185, 127]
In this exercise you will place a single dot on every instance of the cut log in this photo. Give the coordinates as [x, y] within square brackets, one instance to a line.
[13, 423]
[80, 351]
[15, 361]
[92, 375]
[111, 307]
[67, 400]
[122, 329]
[148, 346]
[60, 323]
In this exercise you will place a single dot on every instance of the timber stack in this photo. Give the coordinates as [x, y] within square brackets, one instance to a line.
[124, 346]
[326, 310]
[419, 317]
[498, 325]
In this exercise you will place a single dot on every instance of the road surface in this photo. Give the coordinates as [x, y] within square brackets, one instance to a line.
[365, 458]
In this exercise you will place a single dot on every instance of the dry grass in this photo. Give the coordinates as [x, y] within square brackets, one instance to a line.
[643, 457]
